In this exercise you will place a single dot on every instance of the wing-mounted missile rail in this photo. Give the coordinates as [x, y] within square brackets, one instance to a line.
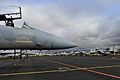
[10, 16]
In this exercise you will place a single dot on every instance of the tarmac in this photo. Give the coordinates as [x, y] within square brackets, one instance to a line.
[61, 68]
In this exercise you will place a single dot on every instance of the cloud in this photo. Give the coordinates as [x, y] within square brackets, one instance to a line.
[7, 2]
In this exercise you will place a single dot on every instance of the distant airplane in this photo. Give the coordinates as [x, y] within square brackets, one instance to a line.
[10, 55]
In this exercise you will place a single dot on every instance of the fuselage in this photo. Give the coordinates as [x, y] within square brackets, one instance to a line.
[32, 39]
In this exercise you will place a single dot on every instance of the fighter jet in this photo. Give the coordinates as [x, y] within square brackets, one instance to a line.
[31, 39]
[27, 37]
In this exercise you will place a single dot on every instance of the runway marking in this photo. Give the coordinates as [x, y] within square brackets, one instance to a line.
[88, 69]
[105, 74]
[84, 68]
[61, 70]
[66, 70]
[37, 72]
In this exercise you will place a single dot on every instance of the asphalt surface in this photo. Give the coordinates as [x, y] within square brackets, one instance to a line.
[61, 68]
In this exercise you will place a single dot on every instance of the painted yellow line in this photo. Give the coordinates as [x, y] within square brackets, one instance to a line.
[37, 72]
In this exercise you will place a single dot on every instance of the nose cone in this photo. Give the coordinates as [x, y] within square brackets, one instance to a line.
[61, 43]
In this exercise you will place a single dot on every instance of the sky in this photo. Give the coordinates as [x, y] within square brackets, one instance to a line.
[89, 23]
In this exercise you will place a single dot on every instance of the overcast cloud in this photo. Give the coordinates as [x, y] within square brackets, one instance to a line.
[89, 23]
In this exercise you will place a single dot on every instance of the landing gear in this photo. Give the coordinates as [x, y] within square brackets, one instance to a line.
[26, 55]
[23, 54]
[14, 54]
[20, 54]
[39, 51]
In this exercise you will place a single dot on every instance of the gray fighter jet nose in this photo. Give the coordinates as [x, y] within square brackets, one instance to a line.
[61, 43]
